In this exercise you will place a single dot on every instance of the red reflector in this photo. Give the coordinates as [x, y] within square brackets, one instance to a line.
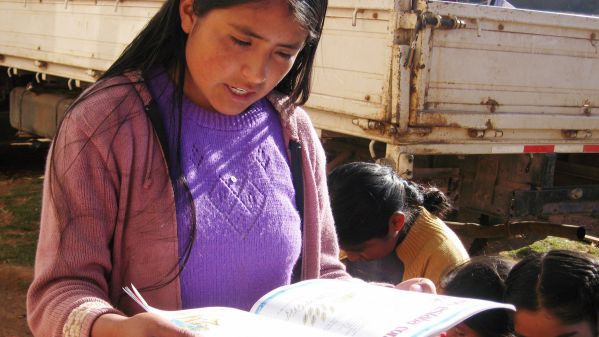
[590, 148]
[538, 148]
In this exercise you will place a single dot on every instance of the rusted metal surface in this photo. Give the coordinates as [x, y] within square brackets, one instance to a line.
[37, 113]
[577, 173]
[557, 200]
[442, 21]
[487, 183]
[577, 134]
[512, 229]
[431, 173]
[493, 104]
[497, 67]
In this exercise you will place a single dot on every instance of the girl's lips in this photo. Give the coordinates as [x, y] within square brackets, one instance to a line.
[242, 92]
[238, 91]
[241, 95]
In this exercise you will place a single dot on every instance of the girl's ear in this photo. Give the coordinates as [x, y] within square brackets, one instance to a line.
[187, 16]
[397, 221]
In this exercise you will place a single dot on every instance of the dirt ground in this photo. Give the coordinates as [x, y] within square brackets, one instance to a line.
[18, 164]
[14, 281]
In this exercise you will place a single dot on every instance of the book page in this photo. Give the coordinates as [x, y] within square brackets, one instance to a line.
[354, 308]
[227, 322]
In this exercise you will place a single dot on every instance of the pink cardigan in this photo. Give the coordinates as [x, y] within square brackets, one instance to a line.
[109, 179]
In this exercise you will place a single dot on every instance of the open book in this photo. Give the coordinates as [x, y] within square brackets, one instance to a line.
[329, 308]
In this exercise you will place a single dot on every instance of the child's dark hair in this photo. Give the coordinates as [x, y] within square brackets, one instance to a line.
[563, 282]
[365, 195]
[482, 277]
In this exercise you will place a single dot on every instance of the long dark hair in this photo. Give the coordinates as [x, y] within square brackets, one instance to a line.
[565, 283]
[365, 195]
[161, 45]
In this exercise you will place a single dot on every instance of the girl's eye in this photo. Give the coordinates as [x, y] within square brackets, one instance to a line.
[284, 55]
[240, 42]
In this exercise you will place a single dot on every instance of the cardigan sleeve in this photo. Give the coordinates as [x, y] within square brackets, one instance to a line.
[317, 204]
[79, 211]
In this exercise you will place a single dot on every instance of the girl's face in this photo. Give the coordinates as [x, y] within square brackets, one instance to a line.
[378, 248]
[541, 323]
[372, 249]
[237, 55]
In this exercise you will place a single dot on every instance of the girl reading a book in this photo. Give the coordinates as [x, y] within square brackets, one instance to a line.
[555, 294]
[380, 216]
[189, 171]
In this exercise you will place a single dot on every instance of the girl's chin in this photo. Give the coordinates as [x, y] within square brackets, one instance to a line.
[229, 110]
[233, 107]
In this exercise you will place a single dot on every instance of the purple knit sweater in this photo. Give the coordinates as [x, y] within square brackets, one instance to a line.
[247, 235]
[106, 147]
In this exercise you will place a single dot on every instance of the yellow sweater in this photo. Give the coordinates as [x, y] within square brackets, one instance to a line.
[430, 249]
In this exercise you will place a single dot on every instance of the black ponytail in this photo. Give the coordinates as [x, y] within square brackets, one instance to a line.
[429, 197]
[436, 202]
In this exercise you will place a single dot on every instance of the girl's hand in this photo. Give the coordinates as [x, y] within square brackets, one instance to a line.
[140, 325]
[419, 284]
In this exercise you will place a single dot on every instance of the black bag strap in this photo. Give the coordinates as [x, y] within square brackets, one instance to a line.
[153, 113]
[295, 151]
[151, 108]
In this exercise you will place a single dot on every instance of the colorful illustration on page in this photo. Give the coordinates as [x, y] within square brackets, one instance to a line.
[195, 323]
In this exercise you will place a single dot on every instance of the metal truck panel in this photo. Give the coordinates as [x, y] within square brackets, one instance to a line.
[510, 78]
[80, 39]
[72, 39]
[514, 69]
[351, 72]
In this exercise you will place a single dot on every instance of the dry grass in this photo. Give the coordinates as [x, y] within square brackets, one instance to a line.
[21, 169]
[549, 243]
[20, 202]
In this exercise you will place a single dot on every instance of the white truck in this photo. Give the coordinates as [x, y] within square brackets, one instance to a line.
[497, 106]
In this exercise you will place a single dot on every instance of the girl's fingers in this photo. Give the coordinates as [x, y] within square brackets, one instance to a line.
[419, 284]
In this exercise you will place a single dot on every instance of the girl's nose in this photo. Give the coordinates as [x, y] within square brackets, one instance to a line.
[255, 70]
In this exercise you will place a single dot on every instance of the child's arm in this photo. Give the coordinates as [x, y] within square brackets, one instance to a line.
[141, 325]
[73, 256]
[97, 211]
